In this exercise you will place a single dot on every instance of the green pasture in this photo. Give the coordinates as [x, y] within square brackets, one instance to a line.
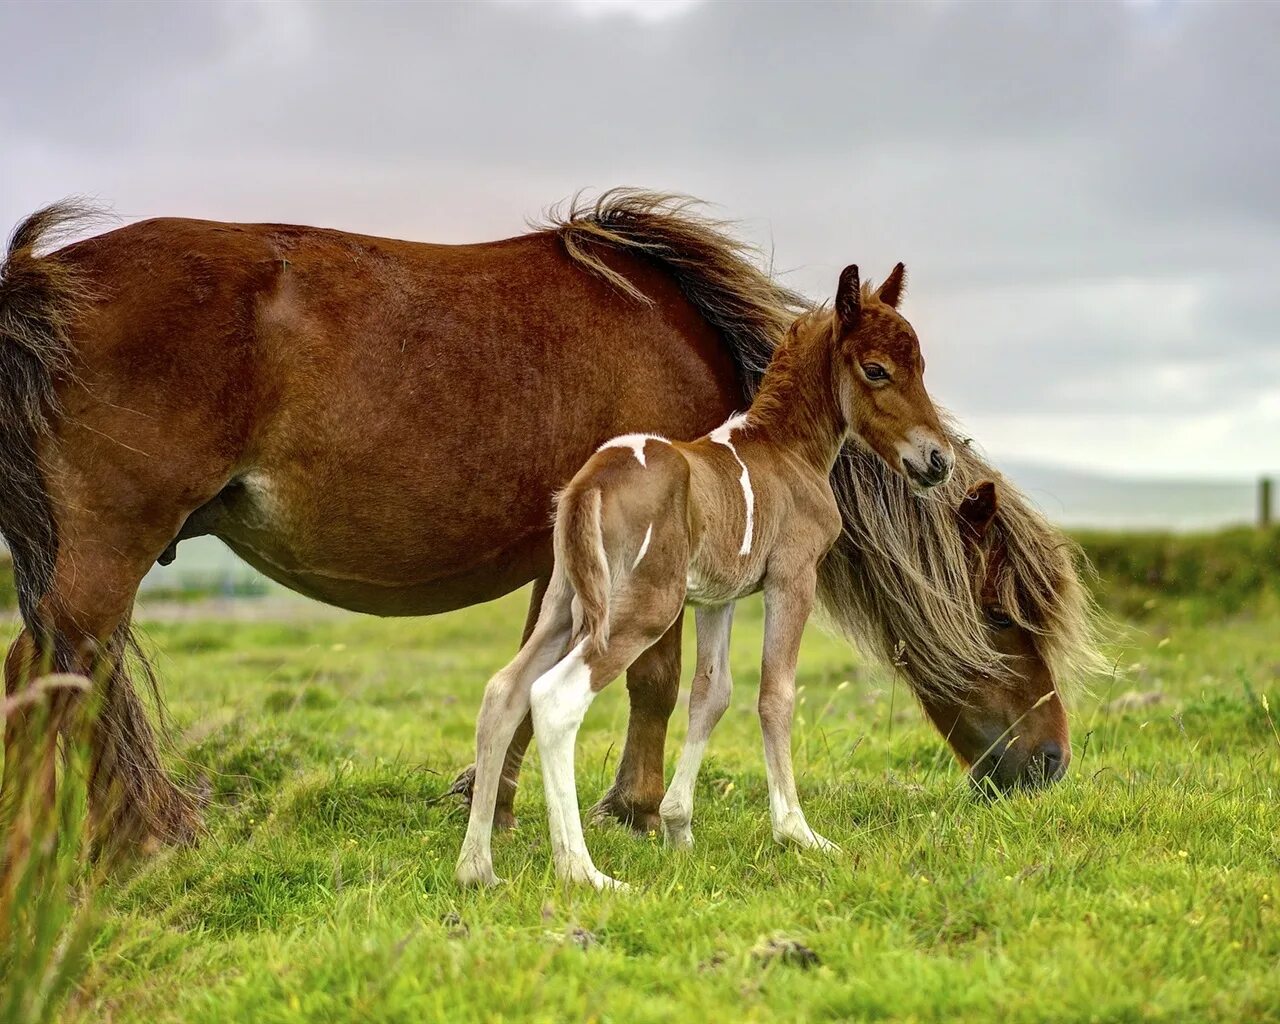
[1142, 887]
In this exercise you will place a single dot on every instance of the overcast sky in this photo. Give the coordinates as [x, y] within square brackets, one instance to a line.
[1087, 196]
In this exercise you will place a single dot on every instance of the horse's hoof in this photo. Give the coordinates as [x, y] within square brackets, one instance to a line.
[618, 808]
[464, 785]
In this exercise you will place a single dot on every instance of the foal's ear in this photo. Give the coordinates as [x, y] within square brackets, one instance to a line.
[849, 298]
[895, 285]
[977, 510]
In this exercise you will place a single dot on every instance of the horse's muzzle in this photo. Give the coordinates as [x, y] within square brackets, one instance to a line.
[1003, 770]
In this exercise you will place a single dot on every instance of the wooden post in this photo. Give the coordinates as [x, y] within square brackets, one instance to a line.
[1264, 503]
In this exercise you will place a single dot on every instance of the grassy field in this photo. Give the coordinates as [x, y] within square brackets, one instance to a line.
[1143, 887]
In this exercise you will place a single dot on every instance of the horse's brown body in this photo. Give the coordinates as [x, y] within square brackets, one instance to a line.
[374, 423]
[327, 410]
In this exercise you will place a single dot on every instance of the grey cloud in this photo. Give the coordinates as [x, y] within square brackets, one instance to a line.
[1084, 192]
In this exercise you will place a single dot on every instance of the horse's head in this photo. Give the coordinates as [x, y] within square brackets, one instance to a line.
[1012, 731]
[879, 379]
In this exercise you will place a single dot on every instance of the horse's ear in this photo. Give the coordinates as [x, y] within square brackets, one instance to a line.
[849, 298]
[894, 287]
[977, 510]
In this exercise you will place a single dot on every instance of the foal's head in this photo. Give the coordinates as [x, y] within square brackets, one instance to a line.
[879, 380]
[1013, 732]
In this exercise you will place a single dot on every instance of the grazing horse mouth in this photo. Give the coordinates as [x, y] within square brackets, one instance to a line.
[995, 775]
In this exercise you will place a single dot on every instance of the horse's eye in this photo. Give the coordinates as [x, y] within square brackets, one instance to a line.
[874, 371]
[998, 617]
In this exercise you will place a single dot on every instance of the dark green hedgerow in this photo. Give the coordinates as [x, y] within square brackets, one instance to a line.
[1234, 568]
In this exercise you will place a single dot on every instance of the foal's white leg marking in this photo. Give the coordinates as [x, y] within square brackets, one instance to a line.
[635, 442]
[644, 546]
[560, 699]
[721, 435]
[707, 703]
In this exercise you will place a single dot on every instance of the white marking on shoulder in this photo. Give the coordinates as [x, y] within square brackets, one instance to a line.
[644, 546]
[722, 435]
[635, 442]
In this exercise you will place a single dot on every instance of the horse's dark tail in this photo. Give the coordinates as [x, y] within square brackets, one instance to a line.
[42, 296]
[39, 298]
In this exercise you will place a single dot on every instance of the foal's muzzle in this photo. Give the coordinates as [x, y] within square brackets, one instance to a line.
[934, 469]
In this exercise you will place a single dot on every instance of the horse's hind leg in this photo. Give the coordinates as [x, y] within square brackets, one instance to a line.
[653, 684]
[505, 705]
[86, 611]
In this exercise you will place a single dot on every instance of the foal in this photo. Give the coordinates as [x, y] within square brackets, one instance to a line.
[648, 525]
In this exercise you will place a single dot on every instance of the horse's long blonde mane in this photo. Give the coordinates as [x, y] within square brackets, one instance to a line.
[898, 581]
[903, 566]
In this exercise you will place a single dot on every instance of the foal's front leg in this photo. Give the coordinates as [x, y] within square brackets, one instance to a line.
[787, 603]
[712, 687]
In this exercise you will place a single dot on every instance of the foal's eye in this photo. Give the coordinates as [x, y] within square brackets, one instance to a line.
[874, 371]
[998, 617]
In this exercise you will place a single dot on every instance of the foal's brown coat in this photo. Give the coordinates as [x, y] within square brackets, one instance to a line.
[648, 524]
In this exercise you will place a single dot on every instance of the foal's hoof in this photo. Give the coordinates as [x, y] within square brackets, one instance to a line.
[579, 873]
[474, 873]
[798, 833]
[614, 805]
[601, 881]
[679, 838]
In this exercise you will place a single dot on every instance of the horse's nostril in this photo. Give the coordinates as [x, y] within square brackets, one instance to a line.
[936, 462]
[1050, 755]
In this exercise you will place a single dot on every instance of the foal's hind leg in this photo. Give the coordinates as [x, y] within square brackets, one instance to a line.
[504, 812]
[653, 685]
[506, 704]
[560, 701]
[708, 700]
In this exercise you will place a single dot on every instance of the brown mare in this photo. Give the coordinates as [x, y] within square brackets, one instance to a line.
[649, 525]
[381, 424]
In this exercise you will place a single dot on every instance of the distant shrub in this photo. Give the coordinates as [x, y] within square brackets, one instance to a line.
[1232, 569]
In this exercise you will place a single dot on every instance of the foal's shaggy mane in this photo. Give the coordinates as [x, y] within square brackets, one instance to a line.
[898, 581]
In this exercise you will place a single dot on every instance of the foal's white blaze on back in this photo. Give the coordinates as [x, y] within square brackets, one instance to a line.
[635, 442]
[721, 435]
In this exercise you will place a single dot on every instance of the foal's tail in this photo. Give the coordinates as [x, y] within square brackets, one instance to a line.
[40, 296]
[579, 549]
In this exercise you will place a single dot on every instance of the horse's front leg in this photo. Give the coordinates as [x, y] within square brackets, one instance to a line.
[787, 604]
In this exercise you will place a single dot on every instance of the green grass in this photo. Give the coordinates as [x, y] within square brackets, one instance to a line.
[1143, 887]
